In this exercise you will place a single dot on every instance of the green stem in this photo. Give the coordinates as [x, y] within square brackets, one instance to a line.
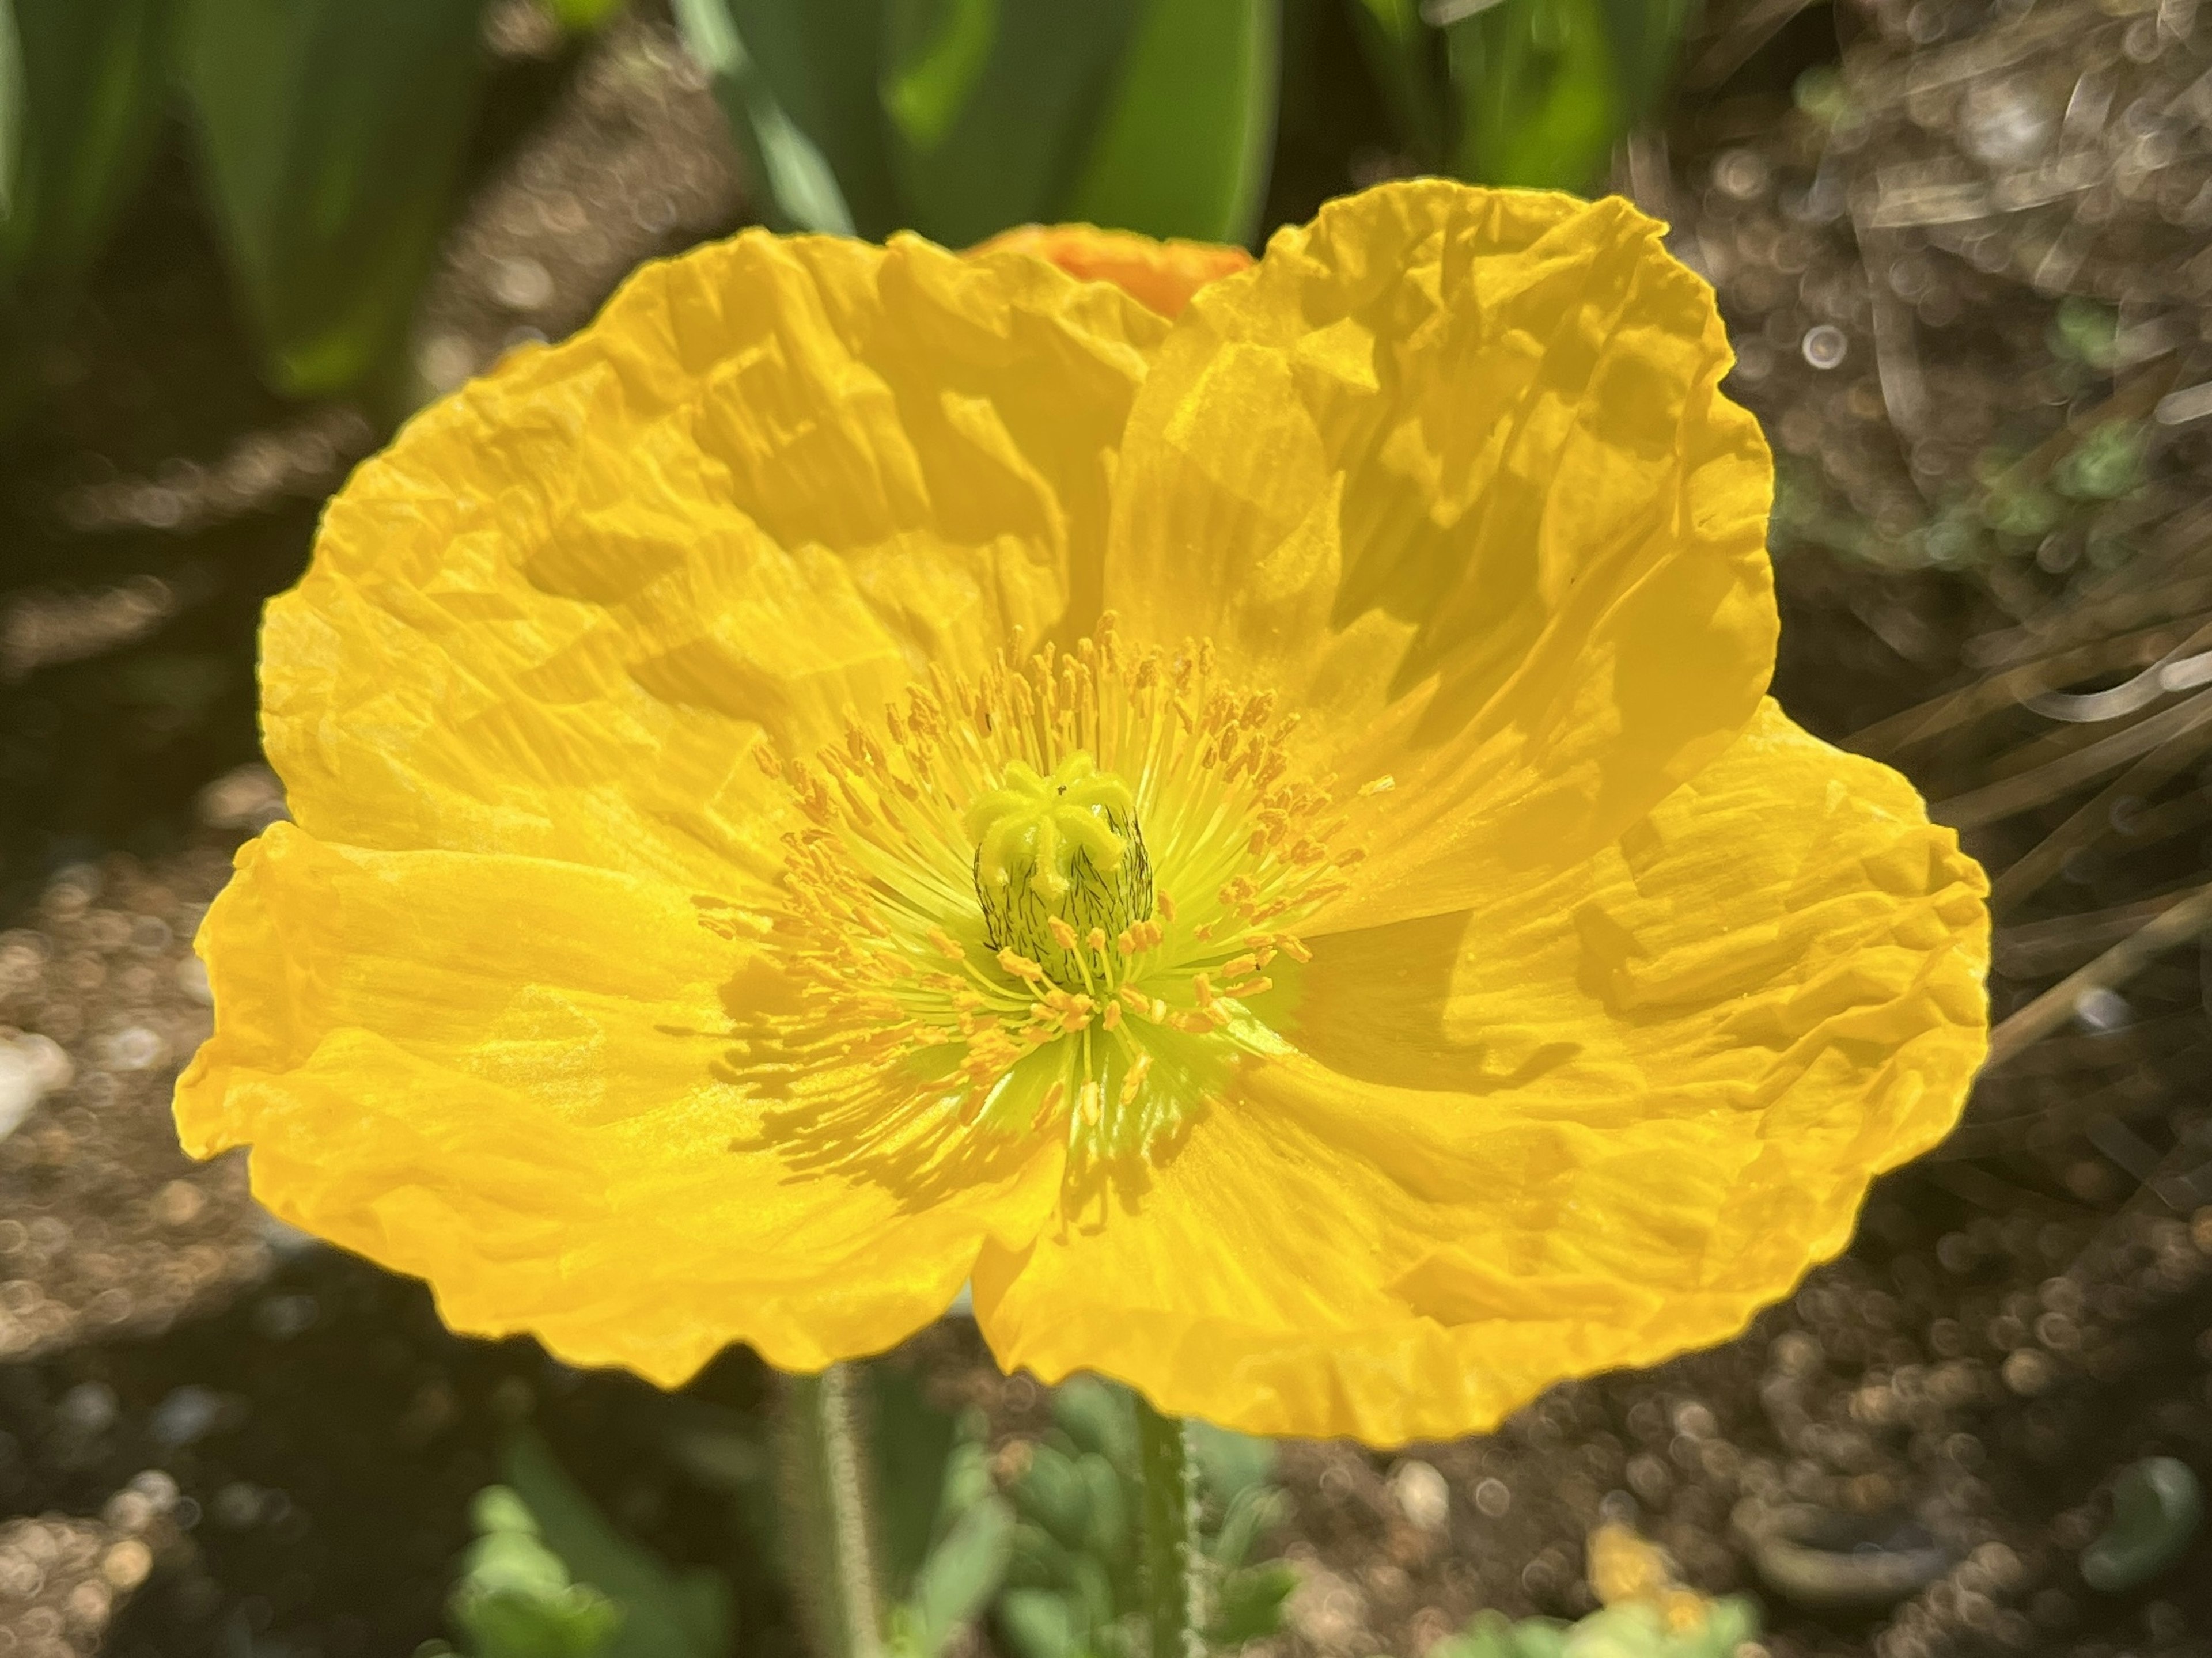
[1171, 1586]
[825, 1479]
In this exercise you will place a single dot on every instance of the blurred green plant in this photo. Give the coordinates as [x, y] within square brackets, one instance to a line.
[1072, 1588]
[515, 1598]
[83, 87]
[1633, 1629]
[1533, 93]
[330, 134]
[548, 1577]
[581, 16]
[962, 117]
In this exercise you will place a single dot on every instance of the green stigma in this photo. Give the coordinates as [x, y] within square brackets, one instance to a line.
[1063, 848]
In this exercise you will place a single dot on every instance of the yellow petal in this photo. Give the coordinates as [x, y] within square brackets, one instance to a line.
[1449, 471]
[1161, 276]
[1592, 1122]
[771, 482]
[517, 1079]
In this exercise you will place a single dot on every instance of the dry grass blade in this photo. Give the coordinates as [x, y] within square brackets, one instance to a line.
[2055, 1007]
[2049, 781]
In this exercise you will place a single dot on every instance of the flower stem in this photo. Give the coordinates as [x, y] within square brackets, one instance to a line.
[1171, 1581]
[825, 1479]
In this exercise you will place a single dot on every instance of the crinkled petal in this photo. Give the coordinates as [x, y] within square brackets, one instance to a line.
[516, 1078]
[776, 479]
[1449, 471]
[1591, 1123]
[1161, 276]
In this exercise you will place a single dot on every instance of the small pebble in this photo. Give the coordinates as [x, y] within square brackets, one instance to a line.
[1423, 1496]
[1825, 345]
[2157, 1506]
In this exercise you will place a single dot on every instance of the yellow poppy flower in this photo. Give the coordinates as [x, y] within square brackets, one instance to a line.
[1255, 837]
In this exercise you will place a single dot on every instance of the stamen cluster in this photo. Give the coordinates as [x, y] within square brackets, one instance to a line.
[1056, 894]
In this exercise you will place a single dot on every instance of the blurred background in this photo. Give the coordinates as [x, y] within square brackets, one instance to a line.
[1962, 246]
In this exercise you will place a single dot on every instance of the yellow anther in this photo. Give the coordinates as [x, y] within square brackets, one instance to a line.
[1097, 939]
[1166, 907]
[1020, 965]
[1237, 966]
[946, 945]
[1111, 1019]
[1382, 784]
[1062, 934]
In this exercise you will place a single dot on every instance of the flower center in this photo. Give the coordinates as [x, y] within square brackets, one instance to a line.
[1059, 858]
[1061, 898]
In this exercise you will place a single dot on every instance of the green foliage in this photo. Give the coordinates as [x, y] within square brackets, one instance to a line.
[81, 98]
[1540, 101]
[1534, 93]
[2084, 331]
[1633, 1629]
[945, 1531]
[987, 104]
[330, 137]
[961, 118]
[1183, 149]
[581, 16]
[2107, 463]
[1073, 1590]
[664, 1613]
[516, 1599]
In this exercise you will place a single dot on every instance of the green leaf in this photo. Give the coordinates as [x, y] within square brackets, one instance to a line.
[576, 1623]
[1252, 1513]
[913, 1442]
[515, 1598]
[797, 80]
[1184, 144]
[958, 1581]
[11, 114]
[1251, 1604]
[1231, 1463]
[666, 1614]
[1053, 1490]
[803, 190]
[1097, 1418]
[1037, 1624]
[991, 106]
[582, 16]
[81, 92]
[1402, 55]
[1538, 95]
[1646, 39]
[330, 137]
[940, 48]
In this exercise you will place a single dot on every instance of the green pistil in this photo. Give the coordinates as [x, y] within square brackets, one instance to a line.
[1065, 847]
